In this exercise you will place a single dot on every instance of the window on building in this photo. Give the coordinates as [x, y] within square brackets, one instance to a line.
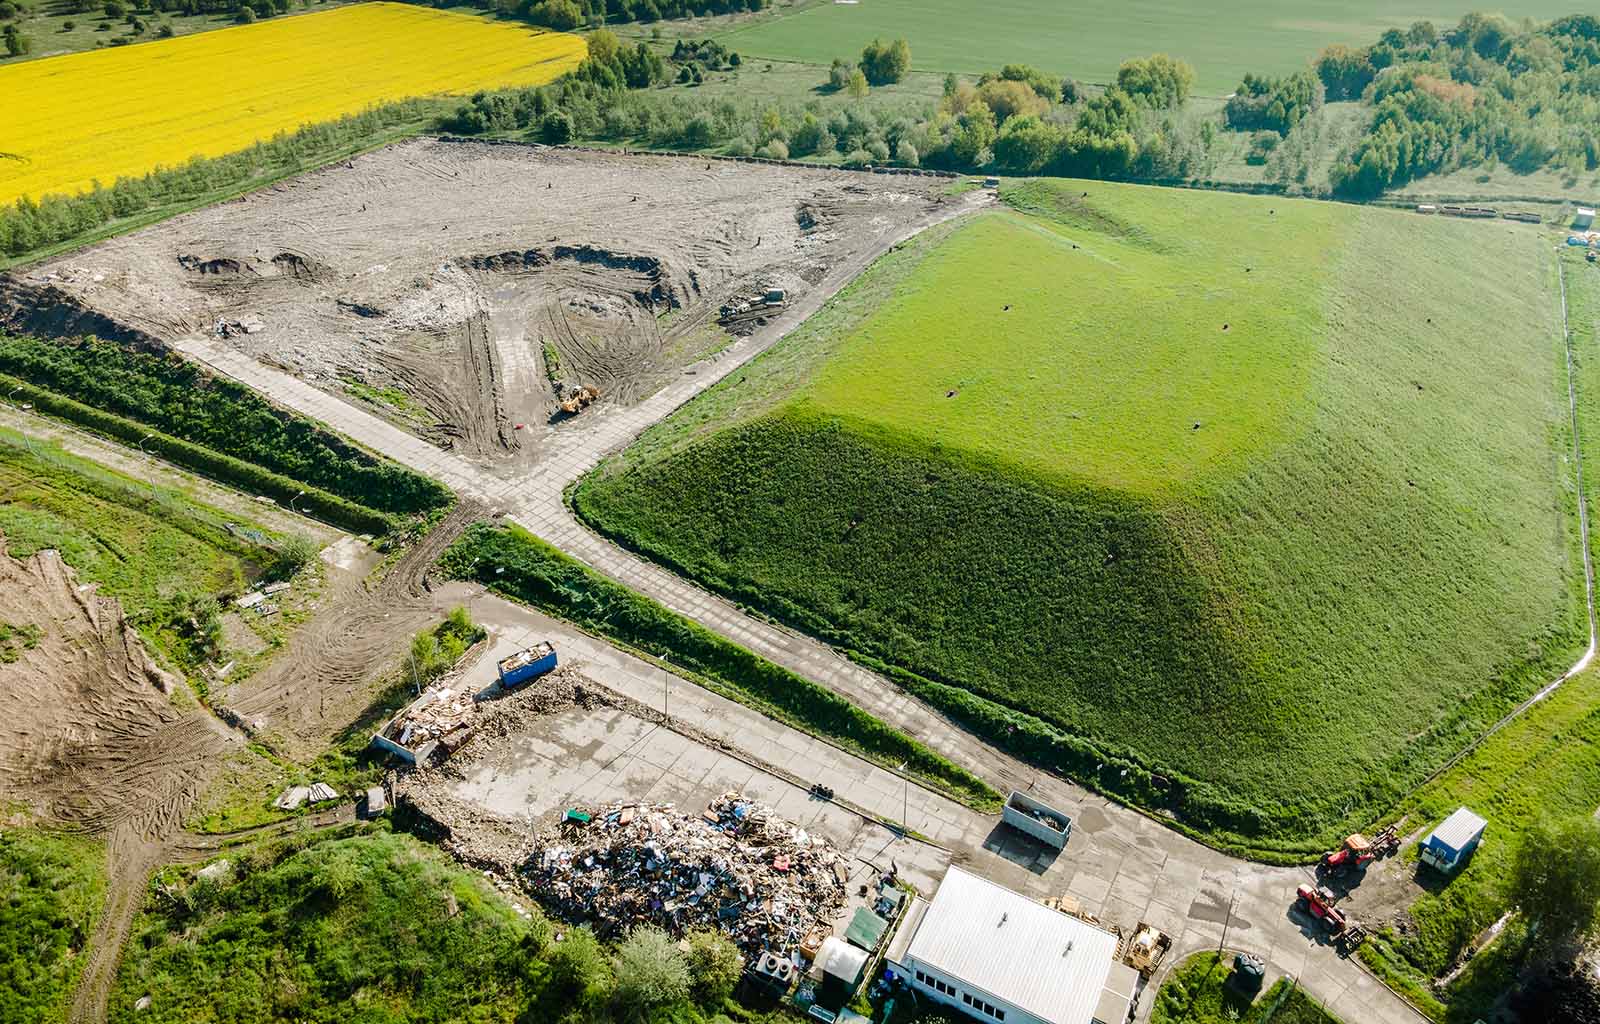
[966, 998]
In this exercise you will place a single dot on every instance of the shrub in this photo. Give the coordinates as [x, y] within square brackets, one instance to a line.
[714, 966]
[886, 63]
[556, 127]
[651, 972]
[839, 75]
[777, 149]
[905, 153]
[1158, 80]
[294, 554]
[580, 975]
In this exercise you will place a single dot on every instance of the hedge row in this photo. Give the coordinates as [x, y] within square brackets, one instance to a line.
[519, 565]
[177, 397]
[310, 500]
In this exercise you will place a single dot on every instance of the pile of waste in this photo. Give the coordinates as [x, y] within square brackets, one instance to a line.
[738, 867]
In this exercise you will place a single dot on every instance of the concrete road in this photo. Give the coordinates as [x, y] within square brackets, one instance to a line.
[1128, 866]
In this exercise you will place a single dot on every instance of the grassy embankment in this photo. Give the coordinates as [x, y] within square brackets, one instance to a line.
[50, 892]
[517, 564]
[1245, 509]
[156, 550]
[1196, 993]
[169, 406]
[363, 925]
[1544, 765]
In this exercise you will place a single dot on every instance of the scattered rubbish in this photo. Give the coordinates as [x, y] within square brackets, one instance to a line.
[739, 867]
[441, 717]
[292, 798]
[216, 871]
[250, 600]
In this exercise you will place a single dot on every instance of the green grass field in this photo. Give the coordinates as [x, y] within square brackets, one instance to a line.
[1544, 765]
[1088, 41]
[1277, 619]
[50, 892]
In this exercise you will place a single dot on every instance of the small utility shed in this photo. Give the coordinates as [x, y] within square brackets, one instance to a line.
[1457, 836]
[1583, 218]
[996, 955]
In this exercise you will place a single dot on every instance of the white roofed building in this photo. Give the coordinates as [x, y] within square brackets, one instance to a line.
[998, 956]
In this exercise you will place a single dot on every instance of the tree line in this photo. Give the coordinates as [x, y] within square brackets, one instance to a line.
[1483, 93]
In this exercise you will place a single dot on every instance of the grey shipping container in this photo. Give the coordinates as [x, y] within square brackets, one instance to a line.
[1041, 821]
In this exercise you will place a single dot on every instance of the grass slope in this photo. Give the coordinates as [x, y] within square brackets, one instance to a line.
[1277, 628]
[1544, 765]
[1088, 41]
[50, 892]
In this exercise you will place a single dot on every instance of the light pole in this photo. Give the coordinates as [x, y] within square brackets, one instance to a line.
[291, 503]
[905, 799]
[142, 440]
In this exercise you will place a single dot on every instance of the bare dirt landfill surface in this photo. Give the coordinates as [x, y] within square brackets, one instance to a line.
[459, 288]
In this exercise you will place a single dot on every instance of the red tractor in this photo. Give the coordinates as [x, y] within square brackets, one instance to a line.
[1318, 902]
[1358, 851]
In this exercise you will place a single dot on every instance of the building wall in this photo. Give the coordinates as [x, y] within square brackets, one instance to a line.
[928, 984]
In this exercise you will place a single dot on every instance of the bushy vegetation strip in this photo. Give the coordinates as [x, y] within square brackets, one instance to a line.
[170, 394]
[50, 892]
[328, 507]
[519, 565]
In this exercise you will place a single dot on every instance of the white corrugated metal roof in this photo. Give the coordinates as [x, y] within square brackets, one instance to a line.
[1006, 945]
[1459, 829]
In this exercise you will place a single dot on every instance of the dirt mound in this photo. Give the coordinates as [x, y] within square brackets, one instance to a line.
[48, 310]
[89, 736]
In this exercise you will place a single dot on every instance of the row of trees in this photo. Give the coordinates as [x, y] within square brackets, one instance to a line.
[566, 15]
[1018, 119]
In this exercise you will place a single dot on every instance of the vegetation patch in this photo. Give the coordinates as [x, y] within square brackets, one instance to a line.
[168, 559]
[50, 892]
[1276, 543]
[1197, 992]
[376, 926]
[519, 565]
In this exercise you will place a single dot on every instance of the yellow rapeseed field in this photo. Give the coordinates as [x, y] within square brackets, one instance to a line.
[66, 121]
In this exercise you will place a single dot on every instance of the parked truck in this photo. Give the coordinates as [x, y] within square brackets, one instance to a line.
[1041, 821]
[527, 665]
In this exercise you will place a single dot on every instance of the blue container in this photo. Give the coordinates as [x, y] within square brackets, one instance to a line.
[526, 666]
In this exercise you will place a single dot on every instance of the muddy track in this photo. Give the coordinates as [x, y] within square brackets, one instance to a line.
[322, 682]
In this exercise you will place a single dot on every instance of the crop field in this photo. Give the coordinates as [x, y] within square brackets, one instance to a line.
[88, 117]
[1088, 41]
[1278, 539]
